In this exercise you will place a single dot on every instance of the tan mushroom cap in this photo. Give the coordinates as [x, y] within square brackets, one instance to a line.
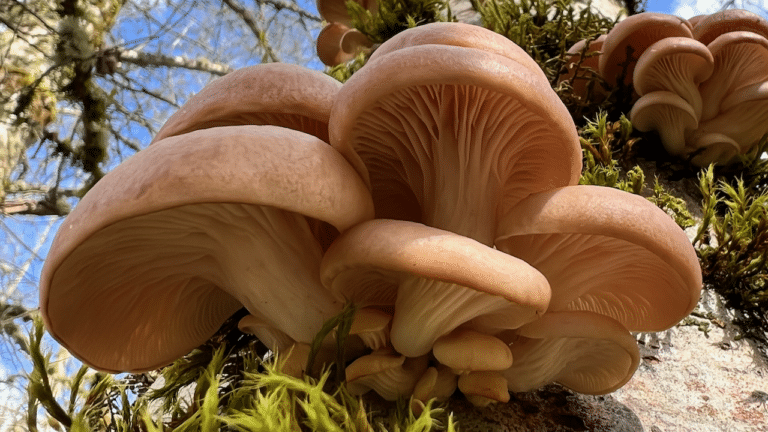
[637, 33]
[729, 20]
[338, 44]
[174, 240]
[668, 114]
[436, 279]
[586, 352]
[714, 148]
[460, 35]
[336, 10]
[481, 388]
[741, 59]
[743, 116]
[278, 94]
[465, 350]
[452, 136]
[587, 67]
[606, 251]
[675, 64]
[390, 375]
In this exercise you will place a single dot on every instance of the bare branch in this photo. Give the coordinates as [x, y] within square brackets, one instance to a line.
[251, 22]
[144, 59]
[281, 4]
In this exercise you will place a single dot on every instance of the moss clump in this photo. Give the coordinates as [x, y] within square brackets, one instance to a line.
[732, 244]
[394, 16]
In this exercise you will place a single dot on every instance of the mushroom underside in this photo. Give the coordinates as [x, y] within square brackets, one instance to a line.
[177, 275]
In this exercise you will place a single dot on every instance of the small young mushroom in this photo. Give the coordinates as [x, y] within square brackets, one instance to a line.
[278, 94]
[465, 350]
[337, 43]
[584, 351]
[176, 239]
[388, 374]
[606, 251]
[436, 382]
[481, 388]
[437, 281]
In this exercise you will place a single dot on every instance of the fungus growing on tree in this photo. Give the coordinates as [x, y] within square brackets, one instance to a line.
[177, 238]
[606, 251]
[277, 94]
[453, 136]
[683, 76]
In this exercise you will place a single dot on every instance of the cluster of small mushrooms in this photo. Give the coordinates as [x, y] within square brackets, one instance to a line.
[436, 190]
[702, 83]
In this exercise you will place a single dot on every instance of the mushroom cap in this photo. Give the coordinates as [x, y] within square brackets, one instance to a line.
[606, 251]
[278, 94]
[460, 35]
[675, 64]
[714, 148]
[743, 117]
[452, 136]
[741, 59]
[466, 350]
[636, 33]
[336, 10]
[338, 44]
[588, 67]
[390, 375]
[668, 114]
[729, 20]
[436, 279]
[482, 388]
[584, 351]
[148, 265]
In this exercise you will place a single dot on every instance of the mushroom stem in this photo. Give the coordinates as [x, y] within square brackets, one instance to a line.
[414, 308]
[278, 238]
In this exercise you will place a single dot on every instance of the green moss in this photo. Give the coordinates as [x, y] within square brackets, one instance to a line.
[394, 16]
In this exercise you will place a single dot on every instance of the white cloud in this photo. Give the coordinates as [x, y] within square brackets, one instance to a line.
[690, 8]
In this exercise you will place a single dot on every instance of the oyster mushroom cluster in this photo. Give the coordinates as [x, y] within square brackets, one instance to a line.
[436, 189]
[702, 84]
[338, 42]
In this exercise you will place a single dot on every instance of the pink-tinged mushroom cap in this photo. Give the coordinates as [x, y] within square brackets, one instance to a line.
[606, 251]
[174, 240]
[631, 37]
[278, 94]
[675, 64]
[743, 117]
[336, 10]
[460, 35]
[709, 148]
[587, 67]
[668, 114]
[437, 281]
[453, 136]
[586, 352]
[390, 375]
[338, 44]
[729, 20]
[741, 59]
